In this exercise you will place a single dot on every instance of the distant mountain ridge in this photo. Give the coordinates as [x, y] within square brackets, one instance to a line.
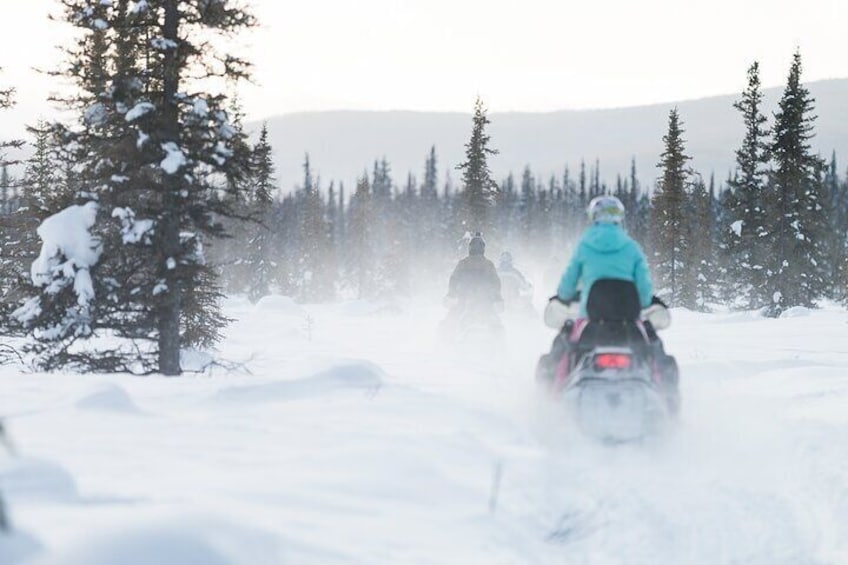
[343, 144]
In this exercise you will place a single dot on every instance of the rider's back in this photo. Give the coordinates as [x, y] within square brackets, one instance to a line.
[606, 252]
[475, 277]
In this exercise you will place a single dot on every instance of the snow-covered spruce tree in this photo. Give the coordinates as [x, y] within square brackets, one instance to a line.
[7, 100]
[154, 140]
[43, 192]
[797, 213]
[837, 236]
[6, 190]
[316, 281]
[669, 227]
[701, 252]
[526, 204]
[11, 228]
[743, 238]
[259, 261]
[427, 211]
[48, 183]
[360, 239]
[478, 187]
[637, 209]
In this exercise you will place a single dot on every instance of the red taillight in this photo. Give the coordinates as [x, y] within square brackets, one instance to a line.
[612, 361]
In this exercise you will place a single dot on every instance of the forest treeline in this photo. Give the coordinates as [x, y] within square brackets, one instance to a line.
[188, 208]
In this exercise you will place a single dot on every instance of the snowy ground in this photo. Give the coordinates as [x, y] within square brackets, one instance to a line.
[354, 439]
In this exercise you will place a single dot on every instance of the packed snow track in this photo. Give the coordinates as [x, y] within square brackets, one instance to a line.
[344, 434]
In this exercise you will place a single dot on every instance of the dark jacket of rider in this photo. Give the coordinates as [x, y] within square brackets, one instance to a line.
[475, 279]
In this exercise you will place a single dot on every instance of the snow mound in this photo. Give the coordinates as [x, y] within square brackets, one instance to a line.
[279, 304]
[35, 479]
[358, 375]
[109, 399]
[17, 547]
[174, 543]
[796, 312]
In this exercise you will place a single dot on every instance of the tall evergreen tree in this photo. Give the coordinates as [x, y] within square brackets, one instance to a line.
[478, 188]
[836, 239]
[361, 245]
[259, 252]
[430, 190]
[316, 282]
[670, 231]
[798, 217]
[153, 141]
[7, 100]
[41, 177]
[701, 253]
[743, 238]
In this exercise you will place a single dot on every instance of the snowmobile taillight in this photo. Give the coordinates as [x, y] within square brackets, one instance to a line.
[612, 361]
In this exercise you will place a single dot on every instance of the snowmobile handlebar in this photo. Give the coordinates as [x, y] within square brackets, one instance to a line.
[559, 311]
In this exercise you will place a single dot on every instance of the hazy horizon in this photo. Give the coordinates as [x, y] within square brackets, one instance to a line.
[436, 57]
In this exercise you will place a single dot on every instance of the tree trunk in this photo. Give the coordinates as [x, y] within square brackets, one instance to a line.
[169, 315]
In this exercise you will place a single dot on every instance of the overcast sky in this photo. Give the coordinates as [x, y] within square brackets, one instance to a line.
[526, 55]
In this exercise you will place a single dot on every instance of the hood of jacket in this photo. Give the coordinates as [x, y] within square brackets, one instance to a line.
[605, 238]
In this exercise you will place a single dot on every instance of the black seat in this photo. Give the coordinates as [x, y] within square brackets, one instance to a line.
[613, 309]
[612, 300]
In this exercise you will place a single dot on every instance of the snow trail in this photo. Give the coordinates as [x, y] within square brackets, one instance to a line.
[355, 438]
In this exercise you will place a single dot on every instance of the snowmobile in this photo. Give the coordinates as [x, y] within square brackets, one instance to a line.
[611, 373]
[474, 325]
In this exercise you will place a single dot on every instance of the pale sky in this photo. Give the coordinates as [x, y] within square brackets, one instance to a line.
[527, 55]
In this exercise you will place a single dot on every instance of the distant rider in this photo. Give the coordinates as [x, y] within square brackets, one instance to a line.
[475, 288]
[516, 288]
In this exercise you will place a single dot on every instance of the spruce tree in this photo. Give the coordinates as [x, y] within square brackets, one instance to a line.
[701, 254]
[259, 250]
[636, 215]
[835, 240]
[798, 217]
[670, 230]
[743, 238]
[154, 139]
[430, 190]
[41, 178]
[7, 100]
[316, 281]
[479, 190]
[361, 238]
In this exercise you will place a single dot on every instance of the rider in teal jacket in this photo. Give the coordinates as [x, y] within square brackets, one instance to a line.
[605, 252]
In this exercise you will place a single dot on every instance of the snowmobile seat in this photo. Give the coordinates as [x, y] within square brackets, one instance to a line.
[613, 310]
[612, 300]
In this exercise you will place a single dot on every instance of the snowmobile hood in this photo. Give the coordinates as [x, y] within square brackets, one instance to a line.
[606, 238]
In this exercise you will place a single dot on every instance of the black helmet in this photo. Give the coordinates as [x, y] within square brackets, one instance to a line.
[477, 245]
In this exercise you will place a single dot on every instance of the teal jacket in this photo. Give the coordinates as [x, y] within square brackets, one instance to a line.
[605, 252]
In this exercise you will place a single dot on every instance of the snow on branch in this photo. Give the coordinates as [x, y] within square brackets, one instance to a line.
[174, 160]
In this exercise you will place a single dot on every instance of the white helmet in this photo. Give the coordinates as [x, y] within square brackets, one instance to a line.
[606, 210]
